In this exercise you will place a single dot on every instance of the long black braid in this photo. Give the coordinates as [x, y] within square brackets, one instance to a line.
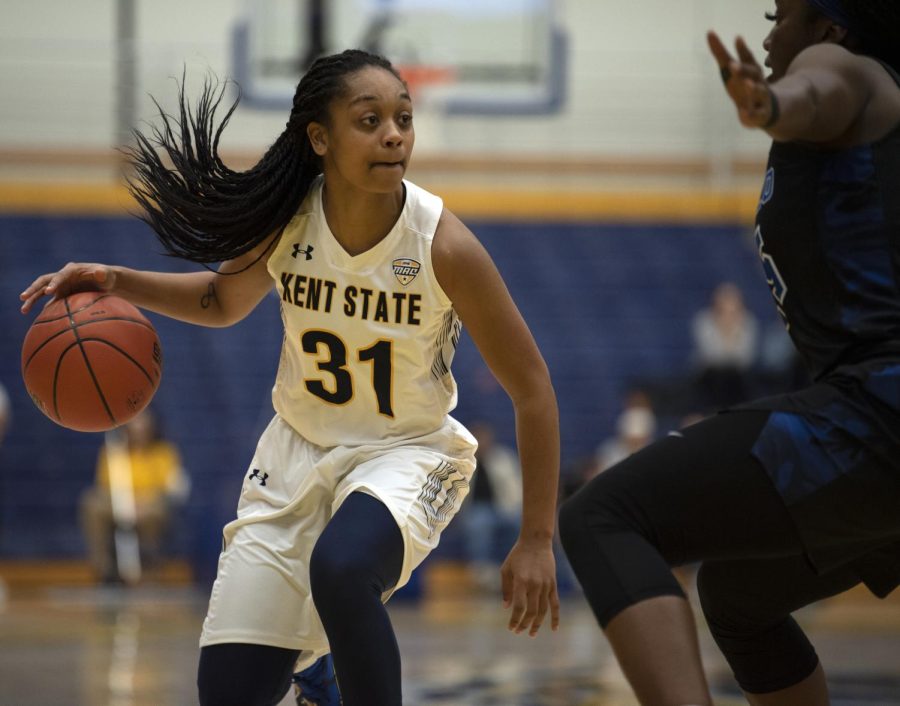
[203, 211]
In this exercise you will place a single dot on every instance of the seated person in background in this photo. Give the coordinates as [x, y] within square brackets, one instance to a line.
[493, 509]
[159, 484]
[725, 348]
[635, 428]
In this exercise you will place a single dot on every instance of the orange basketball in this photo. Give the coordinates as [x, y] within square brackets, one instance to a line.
[91, 361]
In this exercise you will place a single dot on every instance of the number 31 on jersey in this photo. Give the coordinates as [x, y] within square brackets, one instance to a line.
[331, 357]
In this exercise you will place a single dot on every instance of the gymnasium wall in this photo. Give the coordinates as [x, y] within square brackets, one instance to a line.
[611, 222]
[640, 81]
[608, 304]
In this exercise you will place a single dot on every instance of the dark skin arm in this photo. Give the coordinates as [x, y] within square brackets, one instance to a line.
[828, 95]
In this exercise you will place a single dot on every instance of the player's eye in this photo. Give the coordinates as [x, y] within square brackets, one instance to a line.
[772, 16]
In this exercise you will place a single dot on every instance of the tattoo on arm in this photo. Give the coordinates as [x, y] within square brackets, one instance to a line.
[209, 297]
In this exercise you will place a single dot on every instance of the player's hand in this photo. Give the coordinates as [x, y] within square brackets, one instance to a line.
[74, 277]
[744, 80]
[529, 586]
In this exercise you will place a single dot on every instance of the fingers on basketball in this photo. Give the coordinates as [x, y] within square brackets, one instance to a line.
[91, 361]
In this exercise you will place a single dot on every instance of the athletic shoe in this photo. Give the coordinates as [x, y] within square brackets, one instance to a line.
[316, 685]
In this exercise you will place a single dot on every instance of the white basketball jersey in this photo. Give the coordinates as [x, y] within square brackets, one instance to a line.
[369, 338]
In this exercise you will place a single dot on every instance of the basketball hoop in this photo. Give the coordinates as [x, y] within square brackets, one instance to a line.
[419, 77]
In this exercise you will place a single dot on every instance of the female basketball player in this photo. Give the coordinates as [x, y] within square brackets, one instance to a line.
[362, 466]
[791, 499]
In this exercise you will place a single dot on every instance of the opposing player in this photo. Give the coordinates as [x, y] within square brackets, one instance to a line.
[791, 499]
[362, 467]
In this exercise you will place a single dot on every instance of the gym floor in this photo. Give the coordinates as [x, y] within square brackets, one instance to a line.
[80, 645]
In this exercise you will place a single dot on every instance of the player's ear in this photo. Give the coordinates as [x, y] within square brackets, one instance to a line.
[318, 138]
[834, 34]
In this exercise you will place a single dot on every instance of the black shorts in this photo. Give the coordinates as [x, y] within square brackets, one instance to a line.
[832, 451]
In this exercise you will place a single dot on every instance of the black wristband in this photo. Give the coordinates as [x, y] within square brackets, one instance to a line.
[776, 111]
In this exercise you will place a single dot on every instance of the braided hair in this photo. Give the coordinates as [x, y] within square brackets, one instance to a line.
[205, 212]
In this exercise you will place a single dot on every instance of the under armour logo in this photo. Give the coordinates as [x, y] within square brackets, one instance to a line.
[298, 250]
[255, 474]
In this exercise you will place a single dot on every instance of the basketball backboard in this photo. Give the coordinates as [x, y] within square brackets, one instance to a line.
[501, 57]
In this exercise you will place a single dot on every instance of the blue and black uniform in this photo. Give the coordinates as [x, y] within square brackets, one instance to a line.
[828, 232]
[793, 498]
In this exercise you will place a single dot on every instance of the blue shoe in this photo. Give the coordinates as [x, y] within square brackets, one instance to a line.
[316, 685]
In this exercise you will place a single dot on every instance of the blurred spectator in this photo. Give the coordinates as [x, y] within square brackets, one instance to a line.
[5, 413]
[158, 485]
[491, 514]
[635, 428]
[725, 348]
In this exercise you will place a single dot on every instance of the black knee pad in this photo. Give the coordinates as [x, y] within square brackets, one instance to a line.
[592, 510]
[571, 525]
[615, 564]
[766, 649]
[721, 602]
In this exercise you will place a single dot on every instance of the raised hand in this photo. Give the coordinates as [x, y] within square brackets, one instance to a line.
[74, 277]
[745, 83]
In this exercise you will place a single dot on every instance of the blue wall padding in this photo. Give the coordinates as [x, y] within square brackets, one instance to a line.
[607, 303]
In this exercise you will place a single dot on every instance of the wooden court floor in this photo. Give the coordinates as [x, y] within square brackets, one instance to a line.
[88, 646]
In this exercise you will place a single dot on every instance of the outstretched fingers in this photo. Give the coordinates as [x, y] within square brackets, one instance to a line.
[744, 80]
[71, 278]
[727, 64]
[749, 65]
[530, 602]
[548, 601]
[36, 290]
[554, 607]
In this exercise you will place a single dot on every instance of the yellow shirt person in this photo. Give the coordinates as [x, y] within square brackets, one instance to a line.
[155, 471]
[132, 499]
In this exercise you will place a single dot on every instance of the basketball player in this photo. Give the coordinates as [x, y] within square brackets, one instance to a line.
[362, 467]
[795, 498]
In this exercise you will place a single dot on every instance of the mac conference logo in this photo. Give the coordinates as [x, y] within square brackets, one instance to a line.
[405, 270]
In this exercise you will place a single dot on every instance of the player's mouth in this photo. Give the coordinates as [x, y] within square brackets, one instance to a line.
[400, 164]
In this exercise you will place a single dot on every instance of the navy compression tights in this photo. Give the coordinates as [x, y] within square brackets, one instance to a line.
[356, 559]
[701, 496]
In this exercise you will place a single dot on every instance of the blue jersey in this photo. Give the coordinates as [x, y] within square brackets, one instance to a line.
[828, 233]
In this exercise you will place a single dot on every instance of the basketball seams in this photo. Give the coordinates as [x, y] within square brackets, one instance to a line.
[59, 362]
[124, 353]
[41, 346]
[67, 314]
[116, 359]
[87, 363]
[129, 319]
[70, 328]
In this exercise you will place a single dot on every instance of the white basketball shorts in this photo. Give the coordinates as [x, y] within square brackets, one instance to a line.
[291, 490]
